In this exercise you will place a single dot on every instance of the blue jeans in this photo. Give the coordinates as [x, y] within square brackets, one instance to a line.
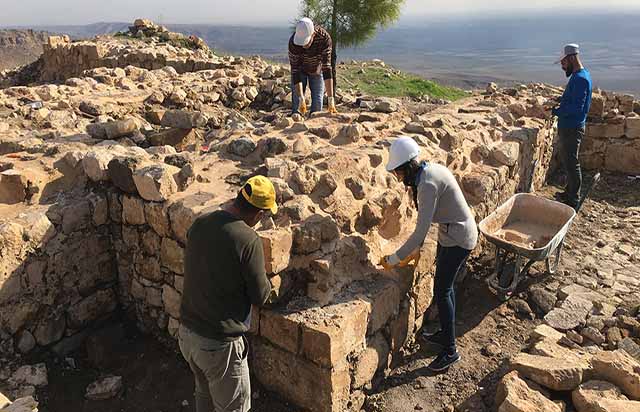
[316, 83]
[449, 261]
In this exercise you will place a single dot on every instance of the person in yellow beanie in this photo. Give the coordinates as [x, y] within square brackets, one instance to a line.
[224, 276]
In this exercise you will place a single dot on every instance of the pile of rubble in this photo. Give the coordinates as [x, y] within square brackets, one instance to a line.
[101, 177]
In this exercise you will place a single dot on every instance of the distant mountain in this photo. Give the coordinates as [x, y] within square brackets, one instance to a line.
[464, 52]
[19, 47]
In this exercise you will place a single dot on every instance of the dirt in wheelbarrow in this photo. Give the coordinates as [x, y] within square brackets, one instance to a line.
[488, 331]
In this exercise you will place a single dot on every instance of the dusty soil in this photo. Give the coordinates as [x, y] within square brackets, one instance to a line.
[156, 379]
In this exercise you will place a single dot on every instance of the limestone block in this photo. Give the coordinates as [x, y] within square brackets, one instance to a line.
[172, 255]
[121, 170]
[149, 268]
[184, 212]
[276, 244]
[301, 381]
[515, 394]
[506, 153]
[183, 119]
[35, 375]
[607, 130]
[552, 373]
[384, 298]
[310, 236]
[96, 165]
[181, 139]
[619, 368]
[570, 314]
[351, 133]
[372, 359]
[341, 329]
[545, 332]
[632, 127]
[156, 182]
[171, 300]
[76, 216]
[13, 186]
[603, 397]
[133, 210]
[597, 106]
[623, 156]
[157, 216]
[281, 329]
[105, 388]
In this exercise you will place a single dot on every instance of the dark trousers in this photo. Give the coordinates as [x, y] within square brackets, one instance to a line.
[569, 140]
[449, 261]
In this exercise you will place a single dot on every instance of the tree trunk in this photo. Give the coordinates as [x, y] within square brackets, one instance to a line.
[334, 54]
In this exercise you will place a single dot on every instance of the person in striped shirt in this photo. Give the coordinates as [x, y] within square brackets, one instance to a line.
[310, 59]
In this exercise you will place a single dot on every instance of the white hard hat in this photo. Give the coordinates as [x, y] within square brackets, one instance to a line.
[304, 31]
[401, 151]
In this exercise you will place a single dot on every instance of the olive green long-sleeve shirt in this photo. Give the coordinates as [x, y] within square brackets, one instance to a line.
[224, 275]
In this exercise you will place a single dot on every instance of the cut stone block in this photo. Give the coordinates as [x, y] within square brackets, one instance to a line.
[121, 170]
[605, 130]
[552, 373]
[602, 396]
[329, 336]
[515, 394]
[133, 210]
[96, 165]
[184, 212]
[571, 313]
[619, 368]
[281, 329]
[183, 119]
[171, 300]
[302, 382]
[181, 139]
[276, 244]
[13, 186]
[156, 182]
[172, 255]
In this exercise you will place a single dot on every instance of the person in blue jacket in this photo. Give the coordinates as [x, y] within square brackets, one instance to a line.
[572, 115]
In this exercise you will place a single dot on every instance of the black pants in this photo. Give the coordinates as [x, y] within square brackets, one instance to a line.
[449, 261]
[569, 148]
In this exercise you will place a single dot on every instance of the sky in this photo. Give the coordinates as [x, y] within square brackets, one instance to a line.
[263, 12]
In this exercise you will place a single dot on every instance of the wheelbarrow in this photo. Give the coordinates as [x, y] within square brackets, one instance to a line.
[527, 229]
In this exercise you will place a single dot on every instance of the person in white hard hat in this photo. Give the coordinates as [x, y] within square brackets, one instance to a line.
[439, 199]
[310, 59]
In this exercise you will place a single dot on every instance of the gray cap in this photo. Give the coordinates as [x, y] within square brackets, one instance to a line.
[568, 50]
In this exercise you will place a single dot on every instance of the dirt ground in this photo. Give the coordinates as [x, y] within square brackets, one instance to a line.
[489, 332]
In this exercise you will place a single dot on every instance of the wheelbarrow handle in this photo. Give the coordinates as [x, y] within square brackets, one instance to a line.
[592, 184]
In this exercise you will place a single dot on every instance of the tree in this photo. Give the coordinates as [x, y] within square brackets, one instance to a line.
[351, 22]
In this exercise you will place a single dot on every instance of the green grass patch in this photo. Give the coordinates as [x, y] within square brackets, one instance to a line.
[381, 81]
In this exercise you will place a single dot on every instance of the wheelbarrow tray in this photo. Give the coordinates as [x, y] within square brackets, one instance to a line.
[528, 225]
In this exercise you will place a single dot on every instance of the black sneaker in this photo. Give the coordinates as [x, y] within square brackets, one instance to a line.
[435, 338]
[443, 361]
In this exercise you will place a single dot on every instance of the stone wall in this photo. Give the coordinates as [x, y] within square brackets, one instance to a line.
[63, 59]
[58, 274]
[612, 139]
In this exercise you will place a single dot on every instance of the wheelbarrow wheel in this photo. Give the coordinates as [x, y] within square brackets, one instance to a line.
[510, 270]
[552, 267]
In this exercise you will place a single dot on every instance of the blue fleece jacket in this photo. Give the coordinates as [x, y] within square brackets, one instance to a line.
[575, 102]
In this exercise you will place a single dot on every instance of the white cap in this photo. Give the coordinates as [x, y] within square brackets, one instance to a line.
[304, 31]
[568, 50]
[402, 150]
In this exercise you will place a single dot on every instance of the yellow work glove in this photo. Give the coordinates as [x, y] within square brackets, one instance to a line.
[384, 262]
[413, 257]
[303, 106]
[332, 105]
